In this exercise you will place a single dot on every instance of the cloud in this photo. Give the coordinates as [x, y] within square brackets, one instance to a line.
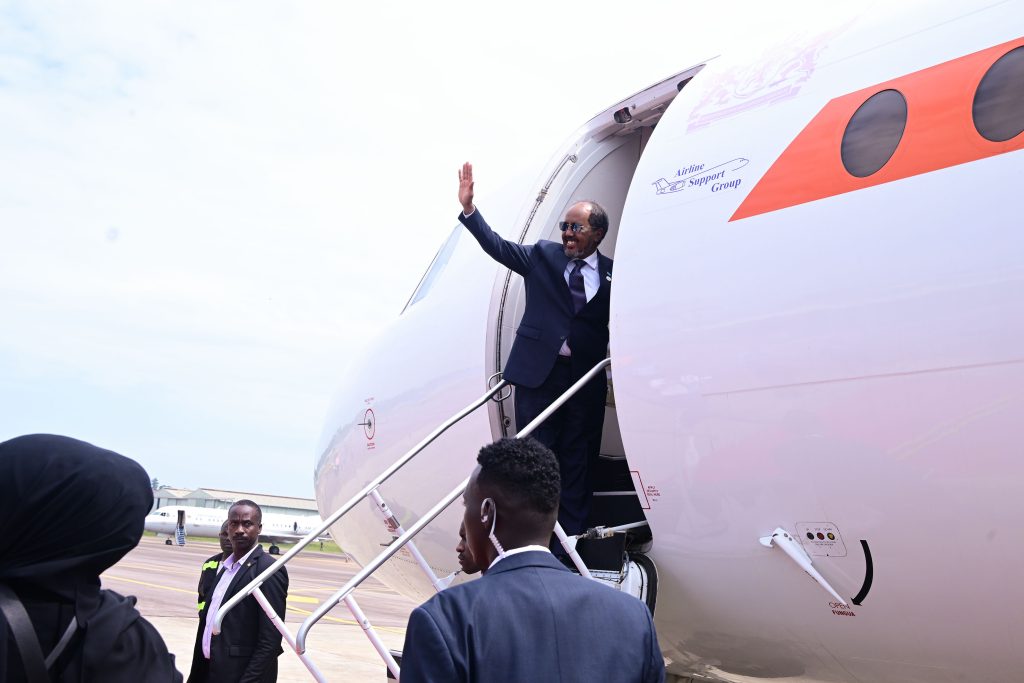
[196, 198]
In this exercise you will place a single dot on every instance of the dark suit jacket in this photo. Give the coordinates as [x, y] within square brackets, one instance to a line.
[548, 319]
[248, 645]
[531, 619]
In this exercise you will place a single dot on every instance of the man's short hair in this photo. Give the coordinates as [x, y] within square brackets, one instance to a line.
[523, 470]
[598, 217]
[249, 503]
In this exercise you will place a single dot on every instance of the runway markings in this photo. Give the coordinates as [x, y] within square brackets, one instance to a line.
[349, 622]
[318, 589]
[161, 570]
[302, 598]
[291, 598]
[145, 583]
[157, 568]
[317, 560]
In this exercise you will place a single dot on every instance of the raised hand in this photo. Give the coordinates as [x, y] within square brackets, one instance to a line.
[466, 188]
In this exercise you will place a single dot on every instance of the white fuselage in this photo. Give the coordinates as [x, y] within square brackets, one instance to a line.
[200, 521]
[788, 351]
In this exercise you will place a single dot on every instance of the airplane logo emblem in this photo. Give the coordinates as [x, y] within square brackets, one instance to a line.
[699, 178]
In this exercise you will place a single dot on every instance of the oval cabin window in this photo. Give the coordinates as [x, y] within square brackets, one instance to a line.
[874, 132]
[999, 101]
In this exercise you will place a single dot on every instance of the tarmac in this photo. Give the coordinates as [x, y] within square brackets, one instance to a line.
[164, 580]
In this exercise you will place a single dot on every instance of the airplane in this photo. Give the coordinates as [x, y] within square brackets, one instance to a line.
[816, 409]
[200, 521]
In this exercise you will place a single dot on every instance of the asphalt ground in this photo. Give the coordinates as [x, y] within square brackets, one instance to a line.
[164, 580]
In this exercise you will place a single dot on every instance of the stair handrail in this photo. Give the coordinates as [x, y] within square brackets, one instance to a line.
[326, 606]
[351, 503]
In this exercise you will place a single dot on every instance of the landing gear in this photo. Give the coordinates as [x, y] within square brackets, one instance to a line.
[643, 576]
[274, 550]
[168, 542]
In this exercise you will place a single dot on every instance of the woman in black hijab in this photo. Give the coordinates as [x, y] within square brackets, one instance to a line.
[68, 511]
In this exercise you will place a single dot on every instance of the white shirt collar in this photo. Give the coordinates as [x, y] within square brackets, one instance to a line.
[590, 260]
[516, 551]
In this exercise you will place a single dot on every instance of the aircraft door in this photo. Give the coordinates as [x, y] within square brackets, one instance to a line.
[599, 165]
[179, 529]
[599, 171]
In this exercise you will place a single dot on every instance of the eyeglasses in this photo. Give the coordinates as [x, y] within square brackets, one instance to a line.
[575, 227]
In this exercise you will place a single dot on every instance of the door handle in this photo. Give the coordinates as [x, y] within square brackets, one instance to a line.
[789, 545]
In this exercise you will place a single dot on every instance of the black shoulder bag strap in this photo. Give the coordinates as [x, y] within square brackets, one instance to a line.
[24, 636]
[36, 669]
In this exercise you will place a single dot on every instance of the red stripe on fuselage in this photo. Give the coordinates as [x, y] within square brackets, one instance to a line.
[939, 133]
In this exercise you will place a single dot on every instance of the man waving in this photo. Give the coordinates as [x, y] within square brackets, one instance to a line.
[563, 334]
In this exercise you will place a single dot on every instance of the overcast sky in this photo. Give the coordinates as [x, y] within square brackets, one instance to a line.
[207, 208]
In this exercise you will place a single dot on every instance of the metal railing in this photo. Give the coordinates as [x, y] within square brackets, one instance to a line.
[368, 491]
[298, 642]
[430, 515]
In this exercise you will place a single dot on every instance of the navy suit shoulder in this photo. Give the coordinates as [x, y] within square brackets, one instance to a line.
[512, 255]
[529, 618]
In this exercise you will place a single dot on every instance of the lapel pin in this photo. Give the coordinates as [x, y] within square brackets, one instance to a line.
[608, 277]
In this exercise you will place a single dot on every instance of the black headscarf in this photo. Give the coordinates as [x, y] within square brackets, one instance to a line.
[69, 511]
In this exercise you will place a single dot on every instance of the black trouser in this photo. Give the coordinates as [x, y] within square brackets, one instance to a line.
[573, 432]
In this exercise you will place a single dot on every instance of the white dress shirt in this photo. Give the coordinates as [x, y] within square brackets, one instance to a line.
[229, 568]
[516, 551]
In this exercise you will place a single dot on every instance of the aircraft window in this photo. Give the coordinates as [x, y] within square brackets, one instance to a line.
[999, 101]
[436, 267]
[874, 132]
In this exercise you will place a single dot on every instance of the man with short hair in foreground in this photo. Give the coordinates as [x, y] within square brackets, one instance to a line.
[528, 618]
[562, 335]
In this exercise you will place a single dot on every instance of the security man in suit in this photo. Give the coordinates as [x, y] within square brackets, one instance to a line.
[248, 645]
[528, 618]
[563, 334]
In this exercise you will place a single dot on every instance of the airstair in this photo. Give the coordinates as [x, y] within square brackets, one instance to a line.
[637, 576]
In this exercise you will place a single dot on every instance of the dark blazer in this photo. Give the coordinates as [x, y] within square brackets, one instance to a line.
[531, 619]
[549, 319]
[248, 645]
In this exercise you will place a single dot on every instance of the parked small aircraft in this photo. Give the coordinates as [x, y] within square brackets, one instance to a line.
[200, 521]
